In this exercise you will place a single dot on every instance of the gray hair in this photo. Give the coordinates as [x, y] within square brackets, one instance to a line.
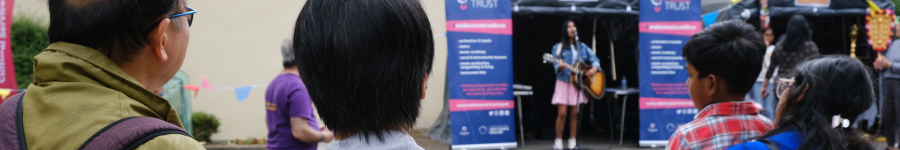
[287, 52]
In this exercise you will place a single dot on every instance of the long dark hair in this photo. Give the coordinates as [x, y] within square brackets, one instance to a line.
[797, 34]
[824, 87]
[564, 37]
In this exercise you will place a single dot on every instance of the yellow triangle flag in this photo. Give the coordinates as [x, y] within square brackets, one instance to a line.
[4, 93]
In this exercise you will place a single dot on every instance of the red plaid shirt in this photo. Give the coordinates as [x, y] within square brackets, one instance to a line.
[719, 126]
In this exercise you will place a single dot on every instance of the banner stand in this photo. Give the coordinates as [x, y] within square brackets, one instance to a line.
[7, 72]
[653, 143]
[487, 146]
[665, 26]
[480, 75]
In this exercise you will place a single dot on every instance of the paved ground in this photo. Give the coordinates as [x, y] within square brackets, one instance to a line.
[424, 142]
[588, 141]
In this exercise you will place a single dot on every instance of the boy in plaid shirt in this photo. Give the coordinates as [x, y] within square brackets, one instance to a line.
[723, 62]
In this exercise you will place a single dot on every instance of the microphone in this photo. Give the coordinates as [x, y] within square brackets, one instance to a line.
[575, 32]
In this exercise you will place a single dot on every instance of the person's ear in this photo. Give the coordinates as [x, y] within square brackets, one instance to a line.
[424, 86]
[713, 84]
[158, 39]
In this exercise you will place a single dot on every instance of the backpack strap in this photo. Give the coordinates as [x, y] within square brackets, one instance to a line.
[769, 143]
[12, 133]
[130, 133]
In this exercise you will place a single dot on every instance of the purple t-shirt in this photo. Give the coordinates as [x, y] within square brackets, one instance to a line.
[287, 97]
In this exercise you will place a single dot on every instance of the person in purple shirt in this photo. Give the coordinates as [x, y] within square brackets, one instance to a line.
[290, 117]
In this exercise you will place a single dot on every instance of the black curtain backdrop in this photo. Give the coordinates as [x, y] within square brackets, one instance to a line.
[534, 35]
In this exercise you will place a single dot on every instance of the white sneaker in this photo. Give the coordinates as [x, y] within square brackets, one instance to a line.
[557, 144]
[572, 144]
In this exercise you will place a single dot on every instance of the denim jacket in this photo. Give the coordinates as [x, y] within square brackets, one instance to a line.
[585, 54]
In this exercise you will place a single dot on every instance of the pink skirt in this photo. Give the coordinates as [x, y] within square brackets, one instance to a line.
[565, 93]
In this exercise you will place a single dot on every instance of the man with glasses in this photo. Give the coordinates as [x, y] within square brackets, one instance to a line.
[104, 56]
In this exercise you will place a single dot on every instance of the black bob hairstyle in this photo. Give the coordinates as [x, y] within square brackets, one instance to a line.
[824, 87]
[364, 62]
[732, 50]
[117, 28]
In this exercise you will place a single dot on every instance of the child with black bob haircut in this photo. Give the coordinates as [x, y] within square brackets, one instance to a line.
[723, 62]
[365, 64]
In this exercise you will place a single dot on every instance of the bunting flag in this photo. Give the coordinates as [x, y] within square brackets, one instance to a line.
[710, 18]
[193, 88]
[242, 92]
[205, 85]
[4, 93]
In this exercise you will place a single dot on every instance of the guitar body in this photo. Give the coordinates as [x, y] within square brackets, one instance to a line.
[594, 86]
[598, 85]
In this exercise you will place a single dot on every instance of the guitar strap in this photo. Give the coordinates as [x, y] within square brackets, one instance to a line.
[559, 49]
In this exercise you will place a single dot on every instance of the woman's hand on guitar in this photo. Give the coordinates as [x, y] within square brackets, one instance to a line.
[591, 72]
[562, 64]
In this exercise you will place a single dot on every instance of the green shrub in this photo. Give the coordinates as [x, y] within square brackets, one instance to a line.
[896, 8]
[28, 38]
[204, 125]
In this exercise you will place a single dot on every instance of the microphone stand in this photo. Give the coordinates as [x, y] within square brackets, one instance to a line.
[581, 96]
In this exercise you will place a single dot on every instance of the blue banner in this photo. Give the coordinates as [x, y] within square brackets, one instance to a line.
[479, 72]
[665, 26]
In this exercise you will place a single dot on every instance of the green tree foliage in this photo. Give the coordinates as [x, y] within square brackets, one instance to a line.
[205, 125]
[28, 38]
[896, 8]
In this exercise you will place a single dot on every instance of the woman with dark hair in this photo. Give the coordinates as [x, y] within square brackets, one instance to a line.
[796, 47]
[566, 96]
[768, 102]
[817, 107]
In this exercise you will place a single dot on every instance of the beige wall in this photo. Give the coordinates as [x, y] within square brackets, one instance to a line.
[237, 43]
[36, 8]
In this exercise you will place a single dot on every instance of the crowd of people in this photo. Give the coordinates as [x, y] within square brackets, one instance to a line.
[365, 64]
[818, 96]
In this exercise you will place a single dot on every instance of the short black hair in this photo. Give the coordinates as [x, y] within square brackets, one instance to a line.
[363, 62]
[731, 50]
[117, 28]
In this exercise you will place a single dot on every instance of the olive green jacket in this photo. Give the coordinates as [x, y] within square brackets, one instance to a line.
[78, 90]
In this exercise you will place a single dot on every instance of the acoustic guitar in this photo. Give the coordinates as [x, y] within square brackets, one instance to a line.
[594, 86]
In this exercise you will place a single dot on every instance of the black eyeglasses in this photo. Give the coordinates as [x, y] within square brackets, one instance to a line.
[190, 11]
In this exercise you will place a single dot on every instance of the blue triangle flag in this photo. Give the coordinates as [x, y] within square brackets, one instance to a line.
[242, 92]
